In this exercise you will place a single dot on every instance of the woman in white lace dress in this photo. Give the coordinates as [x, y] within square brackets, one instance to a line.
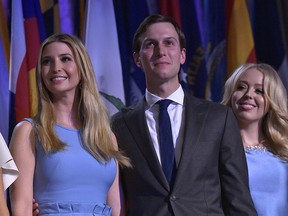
[8, 174]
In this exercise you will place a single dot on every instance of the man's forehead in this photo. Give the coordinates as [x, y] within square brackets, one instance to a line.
[160, 30]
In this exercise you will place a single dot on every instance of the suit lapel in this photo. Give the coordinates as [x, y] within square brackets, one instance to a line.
[136, 123]
[194, 119]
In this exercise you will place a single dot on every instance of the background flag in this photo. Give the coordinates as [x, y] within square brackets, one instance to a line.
[214, 43]
[100, 27]
[240, 42]
[27, 32]
[129, 14]
[195, 67]
[4, 79]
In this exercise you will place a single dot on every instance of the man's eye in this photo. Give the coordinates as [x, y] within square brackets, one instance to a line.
[169, 43]
[149, 44]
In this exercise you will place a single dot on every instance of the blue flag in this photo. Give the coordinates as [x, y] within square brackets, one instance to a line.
[129, 14]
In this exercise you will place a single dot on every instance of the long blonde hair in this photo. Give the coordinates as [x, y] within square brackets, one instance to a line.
[275, 122]
[97, 136]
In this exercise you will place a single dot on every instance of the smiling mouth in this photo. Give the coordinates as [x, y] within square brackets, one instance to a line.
[58, 78]
[246, 106]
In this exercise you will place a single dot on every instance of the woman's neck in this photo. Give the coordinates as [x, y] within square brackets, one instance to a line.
[67, 115]
[251, 135]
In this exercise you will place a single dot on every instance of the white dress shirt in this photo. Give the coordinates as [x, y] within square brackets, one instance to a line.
[175, 111]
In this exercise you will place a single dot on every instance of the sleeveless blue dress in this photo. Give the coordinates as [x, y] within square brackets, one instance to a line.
[268, 181]
[71, 181]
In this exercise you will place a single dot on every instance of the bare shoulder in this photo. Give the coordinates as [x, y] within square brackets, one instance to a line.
[22, 134]
[23, 125]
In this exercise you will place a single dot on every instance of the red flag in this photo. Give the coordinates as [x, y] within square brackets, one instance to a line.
[171, 8]
[26, 33]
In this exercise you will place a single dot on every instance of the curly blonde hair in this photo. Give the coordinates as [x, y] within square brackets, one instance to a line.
[97, 135]
[275, 122]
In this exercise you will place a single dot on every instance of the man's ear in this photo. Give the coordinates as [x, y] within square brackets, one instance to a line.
[183, 56]
[137, 59]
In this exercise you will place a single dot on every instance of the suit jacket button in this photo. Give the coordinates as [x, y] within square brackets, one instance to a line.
[172, 198]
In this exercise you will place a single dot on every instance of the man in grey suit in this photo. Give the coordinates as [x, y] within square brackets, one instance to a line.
[210, 177]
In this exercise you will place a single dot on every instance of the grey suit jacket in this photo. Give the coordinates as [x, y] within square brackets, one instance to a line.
[211, 177]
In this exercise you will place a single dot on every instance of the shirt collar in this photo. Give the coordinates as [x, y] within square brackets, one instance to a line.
[177, 96]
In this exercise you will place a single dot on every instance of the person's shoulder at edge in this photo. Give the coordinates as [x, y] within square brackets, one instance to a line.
[25, 125]
[205, 102]
[126, 109]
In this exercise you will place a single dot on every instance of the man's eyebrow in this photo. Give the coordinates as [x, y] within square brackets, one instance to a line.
[171, 38]
[149, 39]
[166, 38]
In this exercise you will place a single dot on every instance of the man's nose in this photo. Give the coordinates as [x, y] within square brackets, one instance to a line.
[161, 50]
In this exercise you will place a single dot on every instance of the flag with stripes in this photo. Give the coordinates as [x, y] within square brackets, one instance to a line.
[27, 32]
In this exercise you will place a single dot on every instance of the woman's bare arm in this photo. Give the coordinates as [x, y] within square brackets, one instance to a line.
[22, 147]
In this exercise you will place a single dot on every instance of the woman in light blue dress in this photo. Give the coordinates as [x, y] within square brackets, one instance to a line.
[259, 101]
[67, 154]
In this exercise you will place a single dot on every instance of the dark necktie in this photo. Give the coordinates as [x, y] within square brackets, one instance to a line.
[166, 141]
